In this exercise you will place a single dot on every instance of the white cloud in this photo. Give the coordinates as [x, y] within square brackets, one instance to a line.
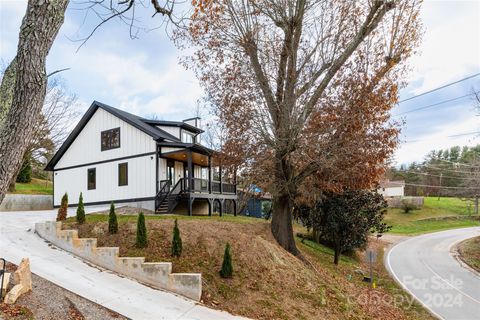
[451, 44]
[9, 28]
[444, 137]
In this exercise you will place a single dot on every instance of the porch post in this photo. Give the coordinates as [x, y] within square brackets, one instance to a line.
[190, 205]
[190, 169]
[221, 178]
[157, 155]
[209, 174]
[235, 181]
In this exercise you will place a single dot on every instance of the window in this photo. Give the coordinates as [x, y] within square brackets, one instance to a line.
[110, 139]
[92, 179]
[123, 174]
[187, 137]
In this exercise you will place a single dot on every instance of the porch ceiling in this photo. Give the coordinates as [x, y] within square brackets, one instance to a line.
[197, 158]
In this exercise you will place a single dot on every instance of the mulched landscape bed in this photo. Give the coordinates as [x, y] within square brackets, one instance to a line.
[48, 301]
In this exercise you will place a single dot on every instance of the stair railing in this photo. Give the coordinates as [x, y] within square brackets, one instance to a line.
[162, 193]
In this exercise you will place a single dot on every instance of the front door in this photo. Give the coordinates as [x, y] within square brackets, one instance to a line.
[171, 172]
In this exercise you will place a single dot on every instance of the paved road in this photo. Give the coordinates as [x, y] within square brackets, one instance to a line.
[425, 267]
[127, 297]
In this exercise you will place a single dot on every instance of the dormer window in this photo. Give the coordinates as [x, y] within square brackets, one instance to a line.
[110, 139]
[187, 137]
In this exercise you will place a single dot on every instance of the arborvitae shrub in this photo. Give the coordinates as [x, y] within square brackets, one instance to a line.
[62, 211]
[142, 241]
[80, 210]
[112, 220]
[227, 267]
[176, 241]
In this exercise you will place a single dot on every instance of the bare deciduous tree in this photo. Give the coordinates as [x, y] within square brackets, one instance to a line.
[295, 81]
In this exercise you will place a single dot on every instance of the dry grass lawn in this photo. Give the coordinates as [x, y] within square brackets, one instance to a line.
[469, 252]
[268, 282]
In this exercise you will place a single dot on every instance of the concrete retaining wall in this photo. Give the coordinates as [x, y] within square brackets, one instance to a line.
[156, 274]
[26, 202]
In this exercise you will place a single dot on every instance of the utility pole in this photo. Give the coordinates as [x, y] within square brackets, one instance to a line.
[441, 174]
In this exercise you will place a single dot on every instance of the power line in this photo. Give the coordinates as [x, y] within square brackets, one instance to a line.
[435, 104]
[434, 175]
[458, 163]
[464, 134]
[436, 138]
[456, 171]
[440, 187]
[441, 87]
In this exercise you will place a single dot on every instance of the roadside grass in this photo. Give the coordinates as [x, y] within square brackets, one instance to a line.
[36, 186]
[268, 282]
[469, 252]
[435, 215]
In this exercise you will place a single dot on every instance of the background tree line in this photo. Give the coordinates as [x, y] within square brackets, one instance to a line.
[453, 172]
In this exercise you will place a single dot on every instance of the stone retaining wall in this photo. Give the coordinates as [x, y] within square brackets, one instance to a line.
[396, 202]
[156, 274]
[26, 202]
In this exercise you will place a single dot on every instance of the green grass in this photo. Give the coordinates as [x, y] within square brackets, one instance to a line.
[435, 215]
[36, 186]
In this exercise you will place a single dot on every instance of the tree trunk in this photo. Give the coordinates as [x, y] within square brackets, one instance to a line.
[337, 255]
[39, 28]
[6, 90]
[282, 228]
[476, 205]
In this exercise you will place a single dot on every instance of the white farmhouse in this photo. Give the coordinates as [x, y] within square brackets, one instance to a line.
[389, 188]
[112, 155]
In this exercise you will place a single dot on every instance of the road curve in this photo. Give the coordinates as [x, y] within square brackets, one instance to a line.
[125, 296]
[425, 267]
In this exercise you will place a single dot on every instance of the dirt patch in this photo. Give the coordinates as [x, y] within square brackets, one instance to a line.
[469, 253]
[268, 282]
[48, 301]
[126, 210]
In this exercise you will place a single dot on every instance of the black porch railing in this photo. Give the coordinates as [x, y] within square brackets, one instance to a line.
[201, 185]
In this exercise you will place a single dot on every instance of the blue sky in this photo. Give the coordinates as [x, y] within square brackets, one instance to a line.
[143, 76]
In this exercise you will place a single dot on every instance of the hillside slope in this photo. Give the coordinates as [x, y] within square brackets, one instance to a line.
[268, 282]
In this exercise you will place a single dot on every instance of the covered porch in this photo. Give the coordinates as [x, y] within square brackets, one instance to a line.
[189, 172]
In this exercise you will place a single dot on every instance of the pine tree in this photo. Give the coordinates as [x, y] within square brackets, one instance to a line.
[227, 267]
[177, 241]
[142, 241]
[25, 174]
[80, 210]
[62, 211]
[112, 220]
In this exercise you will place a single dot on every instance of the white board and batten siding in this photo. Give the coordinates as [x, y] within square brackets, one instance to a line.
[86, 150]
[174, 131]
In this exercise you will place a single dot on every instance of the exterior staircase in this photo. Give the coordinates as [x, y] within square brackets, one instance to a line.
[167, 198]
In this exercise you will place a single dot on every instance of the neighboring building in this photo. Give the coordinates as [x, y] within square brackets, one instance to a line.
[389, 188]
[252, 201]
[113, 155]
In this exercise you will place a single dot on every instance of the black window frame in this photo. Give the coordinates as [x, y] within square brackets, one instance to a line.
[94, 170]
[108, 136]
[119, 175]
[191, 134]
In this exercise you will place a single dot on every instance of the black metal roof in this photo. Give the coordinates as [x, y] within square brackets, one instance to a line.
[192, 146]
[179, 124]
[145, 125]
